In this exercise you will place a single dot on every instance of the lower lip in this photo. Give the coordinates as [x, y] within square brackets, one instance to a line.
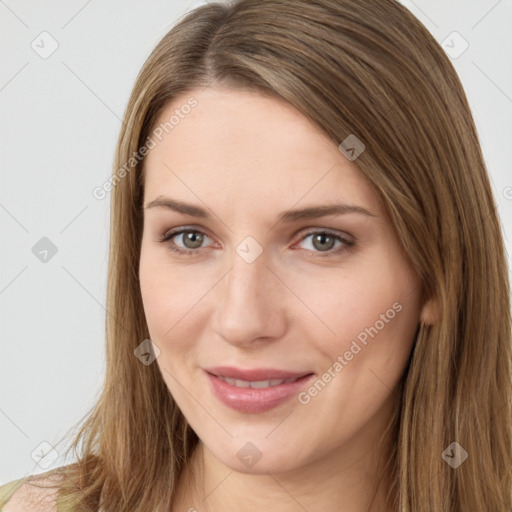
[252, 400]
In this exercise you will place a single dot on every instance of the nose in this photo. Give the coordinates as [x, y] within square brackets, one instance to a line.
[250, 304]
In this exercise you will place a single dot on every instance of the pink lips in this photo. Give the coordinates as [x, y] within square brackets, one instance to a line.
[254, 400]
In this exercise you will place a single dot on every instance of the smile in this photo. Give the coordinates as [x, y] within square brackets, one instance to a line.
[257, 384]
[260, 390]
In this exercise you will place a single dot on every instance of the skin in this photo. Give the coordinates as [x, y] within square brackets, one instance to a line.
[246, 158]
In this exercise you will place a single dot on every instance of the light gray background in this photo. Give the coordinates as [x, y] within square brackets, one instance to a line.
[60, 118]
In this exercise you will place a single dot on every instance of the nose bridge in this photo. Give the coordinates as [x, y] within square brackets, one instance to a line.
[248, 307]
[247, 285]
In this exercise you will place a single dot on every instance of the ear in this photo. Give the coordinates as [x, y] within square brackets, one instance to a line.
[429, 314]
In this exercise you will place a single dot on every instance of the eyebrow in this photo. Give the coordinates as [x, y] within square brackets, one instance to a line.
[311, 212]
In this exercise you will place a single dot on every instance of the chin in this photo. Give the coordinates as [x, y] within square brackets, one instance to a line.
[258, 457]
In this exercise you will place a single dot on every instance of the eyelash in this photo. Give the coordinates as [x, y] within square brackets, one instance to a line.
[347, 245]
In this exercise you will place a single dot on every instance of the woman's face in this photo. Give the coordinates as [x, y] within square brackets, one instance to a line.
[325, 298]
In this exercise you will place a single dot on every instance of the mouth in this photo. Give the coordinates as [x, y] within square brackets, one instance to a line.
[256, 384]
[256, 390]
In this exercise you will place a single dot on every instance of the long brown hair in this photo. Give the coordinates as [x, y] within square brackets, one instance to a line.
[362, 67]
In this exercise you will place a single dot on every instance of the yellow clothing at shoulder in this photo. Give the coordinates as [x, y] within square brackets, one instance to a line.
[7, 490]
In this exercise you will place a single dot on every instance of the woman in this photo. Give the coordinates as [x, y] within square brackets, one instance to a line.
[308, 295]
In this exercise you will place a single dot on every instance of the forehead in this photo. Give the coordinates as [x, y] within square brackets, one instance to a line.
[242, 146]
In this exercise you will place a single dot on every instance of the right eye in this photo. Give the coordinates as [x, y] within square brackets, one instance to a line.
[193, 237]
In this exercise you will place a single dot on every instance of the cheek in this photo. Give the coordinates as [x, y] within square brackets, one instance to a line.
[164, 306]
[160, 294]
[171, 297]
[372, 317]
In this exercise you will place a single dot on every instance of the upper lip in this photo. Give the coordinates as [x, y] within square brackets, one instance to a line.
[254, 374]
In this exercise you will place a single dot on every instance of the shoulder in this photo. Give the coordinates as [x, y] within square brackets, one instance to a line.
[32, 493]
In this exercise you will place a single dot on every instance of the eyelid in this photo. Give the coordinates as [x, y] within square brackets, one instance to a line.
[329, 231]
[347, 240]
[179, 230]
[310, 230]
[171, 233]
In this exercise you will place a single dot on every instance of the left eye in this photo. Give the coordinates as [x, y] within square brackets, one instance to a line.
[322, 241]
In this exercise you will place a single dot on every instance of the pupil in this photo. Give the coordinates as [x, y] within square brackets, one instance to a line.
[192, 236]
[322, 238]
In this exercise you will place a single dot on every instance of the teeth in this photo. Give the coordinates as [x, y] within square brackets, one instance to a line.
[258, 384]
